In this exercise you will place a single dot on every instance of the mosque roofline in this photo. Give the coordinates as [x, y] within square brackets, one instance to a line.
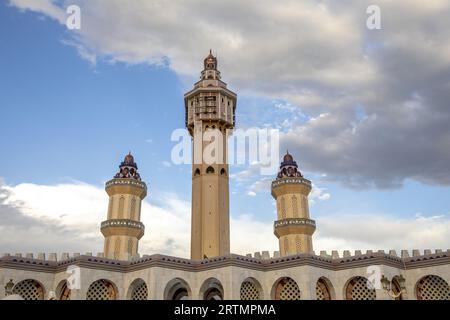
[331, 262]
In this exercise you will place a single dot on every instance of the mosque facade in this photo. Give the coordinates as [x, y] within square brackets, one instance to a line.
[295, 272]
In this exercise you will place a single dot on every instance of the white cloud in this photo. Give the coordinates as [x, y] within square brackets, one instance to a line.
[66, 218]
[318, 55]
[166, 164]
[318, 194]
[380, 231]
[46, 7]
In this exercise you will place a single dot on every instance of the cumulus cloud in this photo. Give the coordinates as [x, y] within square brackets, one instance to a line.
[46, 7]
[316, 55]
[381, 231]
[66, 218]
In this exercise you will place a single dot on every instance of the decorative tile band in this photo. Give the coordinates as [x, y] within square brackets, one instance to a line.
[278, 182]
[132, 182]
[123, 223]
[294, 221]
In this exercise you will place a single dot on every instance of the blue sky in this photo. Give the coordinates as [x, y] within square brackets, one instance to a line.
[65, 119]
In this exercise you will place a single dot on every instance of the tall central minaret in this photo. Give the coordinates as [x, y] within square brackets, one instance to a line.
[210, 111]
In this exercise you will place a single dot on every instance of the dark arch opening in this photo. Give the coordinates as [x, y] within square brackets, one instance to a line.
[210, 170]
[197, 172]
[223, 172]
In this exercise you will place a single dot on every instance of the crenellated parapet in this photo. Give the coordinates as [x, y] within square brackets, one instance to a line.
[260, 260]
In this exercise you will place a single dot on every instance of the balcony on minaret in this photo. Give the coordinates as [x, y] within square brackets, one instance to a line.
[210, 100]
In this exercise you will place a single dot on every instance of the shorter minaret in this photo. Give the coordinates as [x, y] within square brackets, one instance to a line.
[293, 226]
[123, 229]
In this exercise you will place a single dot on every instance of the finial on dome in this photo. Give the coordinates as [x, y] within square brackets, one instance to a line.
[288, 157]
[210, 62]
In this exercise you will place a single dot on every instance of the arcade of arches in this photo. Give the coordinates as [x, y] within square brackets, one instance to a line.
[430, 287]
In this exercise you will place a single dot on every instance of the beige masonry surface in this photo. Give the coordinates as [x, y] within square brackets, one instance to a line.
[210, 115]
[227, 275]
[294, 272]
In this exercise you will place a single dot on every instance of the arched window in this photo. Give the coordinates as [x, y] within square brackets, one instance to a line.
[283, 208]
[130, 246]
[110, 207]
[197, 172]
[117, 249]
[359, 289]
[323, 289]
[295, 207]
[396, 289]
[64, 291]
[297, 243]
[212, 290]
[138, 290]
[286, 289]
[223, 172]
[101, 290]
[286, 245]
[29, 290]
[133, 209]
[177, 289]
[432, 287]
[210, 170]
[121, 206]
[250, 289]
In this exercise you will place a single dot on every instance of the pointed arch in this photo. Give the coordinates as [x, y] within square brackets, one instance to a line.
[121, 206]
[102, 290]
[29, 289]
[295, 206]
[110, 207]
[177, 289]
[130, 247]
[298, 246]
[138, 290]
[117, 248]
[133, 209]
[285, 288]
[283, 208]
[211, 289]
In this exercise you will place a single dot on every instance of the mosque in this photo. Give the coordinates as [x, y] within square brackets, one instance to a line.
[295, 272]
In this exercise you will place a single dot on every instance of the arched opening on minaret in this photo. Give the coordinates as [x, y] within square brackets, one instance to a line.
[223, 172]
[210, 170]
[197, 172]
